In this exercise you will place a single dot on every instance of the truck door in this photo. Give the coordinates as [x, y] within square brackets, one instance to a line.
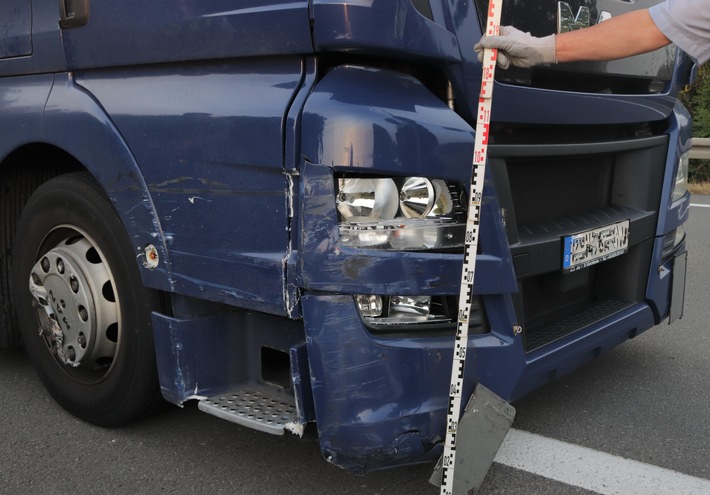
[15, 28]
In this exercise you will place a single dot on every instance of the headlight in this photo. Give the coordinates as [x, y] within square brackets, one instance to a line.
[367, 199]
[681, 178]
[414, 213]
[421, 198]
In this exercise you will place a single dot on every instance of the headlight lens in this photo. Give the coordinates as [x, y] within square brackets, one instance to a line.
[414, 213]
[417, 197]
[681, 178]
[367, 199]
[421, 198]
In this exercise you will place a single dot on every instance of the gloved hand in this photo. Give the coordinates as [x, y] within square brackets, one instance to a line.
[518, 48]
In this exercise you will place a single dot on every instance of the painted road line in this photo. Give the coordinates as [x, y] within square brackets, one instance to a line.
[593, 470]
[699, 205]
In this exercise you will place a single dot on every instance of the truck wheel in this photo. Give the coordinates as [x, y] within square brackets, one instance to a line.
[83, 312]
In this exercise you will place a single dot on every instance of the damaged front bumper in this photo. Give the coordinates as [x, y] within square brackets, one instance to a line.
[380, 402]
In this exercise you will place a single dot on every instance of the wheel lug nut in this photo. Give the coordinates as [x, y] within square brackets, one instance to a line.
[74, 284]
[83, 314]
[60, 265]
[45, 264]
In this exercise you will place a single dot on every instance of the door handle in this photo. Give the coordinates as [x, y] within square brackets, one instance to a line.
[73, 13]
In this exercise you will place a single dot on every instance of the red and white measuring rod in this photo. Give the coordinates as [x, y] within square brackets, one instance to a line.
[480, 153]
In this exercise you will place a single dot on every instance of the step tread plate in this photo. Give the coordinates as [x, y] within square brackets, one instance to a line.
[257, 407]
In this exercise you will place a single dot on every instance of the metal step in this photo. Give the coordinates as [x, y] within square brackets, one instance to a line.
[255, 406]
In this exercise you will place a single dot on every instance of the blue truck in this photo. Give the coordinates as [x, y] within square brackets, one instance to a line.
[260, 205]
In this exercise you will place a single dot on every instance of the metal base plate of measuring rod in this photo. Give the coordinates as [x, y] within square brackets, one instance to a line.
[482, 428]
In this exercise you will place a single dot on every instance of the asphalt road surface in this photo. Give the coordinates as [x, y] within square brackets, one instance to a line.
[646, 401]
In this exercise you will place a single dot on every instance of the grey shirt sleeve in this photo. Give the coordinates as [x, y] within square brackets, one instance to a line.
[687, 24]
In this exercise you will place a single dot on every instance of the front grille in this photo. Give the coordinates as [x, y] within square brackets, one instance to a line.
[550, 191]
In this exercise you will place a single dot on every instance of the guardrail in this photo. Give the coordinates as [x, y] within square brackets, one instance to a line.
[700, 149]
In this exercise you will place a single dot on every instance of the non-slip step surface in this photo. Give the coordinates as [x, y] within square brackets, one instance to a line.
[254, 406]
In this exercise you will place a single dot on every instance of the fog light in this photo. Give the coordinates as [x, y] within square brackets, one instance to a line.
[410, 305]
[370, 306]
[394, 311]
[423, 316]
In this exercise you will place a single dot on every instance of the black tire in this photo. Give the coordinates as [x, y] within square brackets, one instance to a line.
[94, 348]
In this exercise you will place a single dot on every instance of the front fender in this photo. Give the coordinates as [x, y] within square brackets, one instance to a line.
[75, 123]
[381, 121]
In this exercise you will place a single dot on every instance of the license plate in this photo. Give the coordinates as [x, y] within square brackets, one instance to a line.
[594, 246]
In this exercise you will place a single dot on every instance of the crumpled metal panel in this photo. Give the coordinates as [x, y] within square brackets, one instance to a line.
[382, 402]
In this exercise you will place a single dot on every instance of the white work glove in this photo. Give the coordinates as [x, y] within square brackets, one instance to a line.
[518, 48]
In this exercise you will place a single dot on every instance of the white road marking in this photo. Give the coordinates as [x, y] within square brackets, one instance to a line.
[593, 470]
[699, 205]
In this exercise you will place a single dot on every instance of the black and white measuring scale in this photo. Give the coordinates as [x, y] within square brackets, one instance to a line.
[480, 153]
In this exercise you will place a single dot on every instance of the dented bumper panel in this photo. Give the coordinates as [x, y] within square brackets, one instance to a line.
[382, 402]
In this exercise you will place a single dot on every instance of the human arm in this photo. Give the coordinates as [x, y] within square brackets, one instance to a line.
[622, 36]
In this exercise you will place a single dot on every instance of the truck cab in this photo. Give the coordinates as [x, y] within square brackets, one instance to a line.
[260, 206]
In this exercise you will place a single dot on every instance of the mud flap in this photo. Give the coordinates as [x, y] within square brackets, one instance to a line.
[483, 426]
